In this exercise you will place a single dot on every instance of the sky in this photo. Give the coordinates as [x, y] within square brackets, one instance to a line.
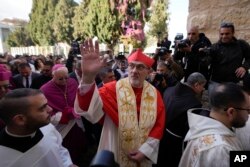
[15, 9]
[178, 10]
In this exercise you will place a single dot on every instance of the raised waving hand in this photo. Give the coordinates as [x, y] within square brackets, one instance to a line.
[92, 62]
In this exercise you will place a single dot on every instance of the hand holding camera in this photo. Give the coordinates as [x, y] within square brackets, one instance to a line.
[183, 46]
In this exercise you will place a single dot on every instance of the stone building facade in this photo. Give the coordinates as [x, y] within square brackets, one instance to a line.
[208, 14]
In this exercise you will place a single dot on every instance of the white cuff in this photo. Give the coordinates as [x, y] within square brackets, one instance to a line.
[150, 149]
[84, 88]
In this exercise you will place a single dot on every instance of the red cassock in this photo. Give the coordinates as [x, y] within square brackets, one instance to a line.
[108, 96]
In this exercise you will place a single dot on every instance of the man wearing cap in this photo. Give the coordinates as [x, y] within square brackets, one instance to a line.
[60, 92]
[131, 109]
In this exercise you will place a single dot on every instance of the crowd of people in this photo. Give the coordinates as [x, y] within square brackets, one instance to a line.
[146, 111]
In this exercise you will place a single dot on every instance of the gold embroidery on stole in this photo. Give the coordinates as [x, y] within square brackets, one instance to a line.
[131, 133]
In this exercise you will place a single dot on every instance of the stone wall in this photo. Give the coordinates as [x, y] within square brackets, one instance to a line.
[208, 14]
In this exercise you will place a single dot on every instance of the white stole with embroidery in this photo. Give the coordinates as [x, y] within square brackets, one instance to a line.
[133, 132]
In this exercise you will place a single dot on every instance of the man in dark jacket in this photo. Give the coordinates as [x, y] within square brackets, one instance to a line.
[187, 53]
[46, 75]
[25, 77]
[178, 100]
[229, 57]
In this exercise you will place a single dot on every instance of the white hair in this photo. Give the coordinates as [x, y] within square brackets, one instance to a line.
[60, 69]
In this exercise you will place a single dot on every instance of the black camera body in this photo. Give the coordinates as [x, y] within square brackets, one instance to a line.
[163, 51]
[182, 44]
[178, 37]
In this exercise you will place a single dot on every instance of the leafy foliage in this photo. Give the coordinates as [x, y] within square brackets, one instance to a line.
[79, 20]
[95, 18]
[159, 17]
[62, 25]
[19, 37]
[41, 21]
[54, 21]
[107, 28]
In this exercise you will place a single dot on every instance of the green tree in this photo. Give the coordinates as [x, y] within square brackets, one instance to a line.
[158, 19]
[100, 18]
[63, 28]
[107, 28]
[95, 18]
[41, 22]
[19, 37]
[79, 20]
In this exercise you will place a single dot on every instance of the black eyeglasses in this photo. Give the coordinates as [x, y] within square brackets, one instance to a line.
[246, 109]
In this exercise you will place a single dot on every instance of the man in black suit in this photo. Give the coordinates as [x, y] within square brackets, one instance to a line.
[25, 77]
[46, 75]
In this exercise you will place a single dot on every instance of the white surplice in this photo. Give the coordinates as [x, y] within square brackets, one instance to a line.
[209, 143]
[48, 152]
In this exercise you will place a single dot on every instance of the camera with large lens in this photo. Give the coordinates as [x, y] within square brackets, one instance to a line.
[182, 44]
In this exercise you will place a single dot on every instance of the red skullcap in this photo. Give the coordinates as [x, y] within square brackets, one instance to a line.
[139, 56]
[5, 74]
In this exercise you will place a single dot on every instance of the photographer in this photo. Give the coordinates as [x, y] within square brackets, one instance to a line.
[188, 54]
[168, 73]
[161, 54]
[164, 55]
[163, 43]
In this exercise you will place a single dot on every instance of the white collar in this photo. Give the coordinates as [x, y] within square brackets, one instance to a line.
[14, 135]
